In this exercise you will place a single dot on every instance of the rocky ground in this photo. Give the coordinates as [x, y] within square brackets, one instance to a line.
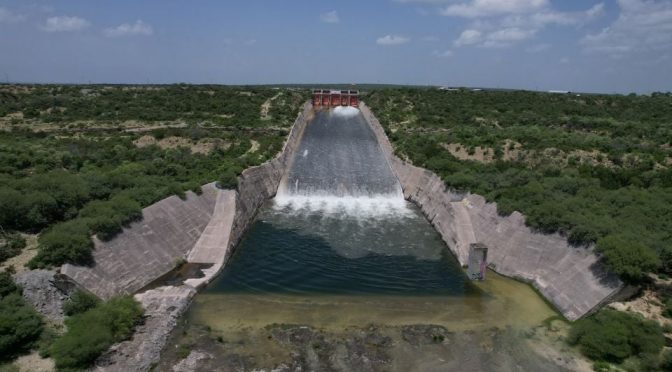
[372, 348]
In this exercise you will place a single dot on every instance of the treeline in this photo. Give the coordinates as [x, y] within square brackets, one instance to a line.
[620, 202]
[223, 105]
[621, 338]
[73, 187]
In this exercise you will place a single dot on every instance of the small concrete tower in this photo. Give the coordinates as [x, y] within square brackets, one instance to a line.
[478, 261]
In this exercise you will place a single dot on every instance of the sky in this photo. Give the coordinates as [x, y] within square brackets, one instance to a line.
[610, 46]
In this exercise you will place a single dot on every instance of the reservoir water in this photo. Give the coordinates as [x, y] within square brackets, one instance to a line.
[339, 247]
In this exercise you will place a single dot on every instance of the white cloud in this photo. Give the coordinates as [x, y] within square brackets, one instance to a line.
[642, 26]
[488, 8]
[443, 54]
[510, 34]
[469, 37]
[392, 40]
[126, 29]
[65, 23]
[7, 16]
[495, 39]
[423, 1]
[505, 23]
[538, 48]
[330, 17]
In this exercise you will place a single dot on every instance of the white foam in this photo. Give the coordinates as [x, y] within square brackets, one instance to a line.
[305, 153]
[357, 206]
[346, 111]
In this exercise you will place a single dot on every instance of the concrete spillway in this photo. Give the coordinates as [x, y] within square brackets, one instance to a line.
[339, 156]
[337, 164]
[339, 224]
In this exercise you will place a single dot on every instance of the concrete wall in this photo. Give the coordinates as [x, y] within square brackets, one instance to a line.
[258, 184]
[211, 224]
[570, 278]
[147, 249]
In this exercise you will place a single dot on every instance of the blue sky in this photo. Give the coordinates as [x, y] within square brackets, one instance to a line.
[580, 45]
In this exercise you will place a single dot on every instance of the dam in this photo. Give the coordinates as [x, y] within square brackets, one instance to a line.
[339, 248]
[339, 224]
[336, 239]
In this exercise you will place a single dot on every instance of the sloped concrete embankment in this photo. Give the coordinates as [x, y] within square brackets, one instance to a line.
[201, 229]
[571, 278]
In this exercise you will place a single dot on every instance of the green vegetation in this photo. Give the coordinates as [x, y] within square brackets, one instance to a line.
[20, 325]
[69, 169]
[80, 302]
[11, 245]
[92, 332]
[73, 105]
[596, 168]
[614, 336]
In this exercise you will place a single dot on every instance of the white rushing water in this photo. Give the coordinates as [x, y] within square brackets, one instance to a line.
[339, 169]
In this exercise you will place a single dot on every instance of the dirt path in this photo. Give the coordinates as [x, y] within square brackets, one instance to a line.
[19, 262]
[33, 362]
[266, 106]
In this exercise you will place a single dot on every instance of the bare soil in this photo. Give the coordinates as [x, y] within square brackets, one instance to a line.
[19, 262]
[33, 362]
[203, 146]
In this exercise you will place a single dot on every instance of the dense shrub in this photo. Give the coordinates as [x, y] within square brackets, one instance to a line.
[624, 191]
[613, 336]
[20, 325]
[72, 187]
[92, 332]
[7, 285]
[79, 302]
[11, 245]
[65, 242]
[630, 259]
[228, 180]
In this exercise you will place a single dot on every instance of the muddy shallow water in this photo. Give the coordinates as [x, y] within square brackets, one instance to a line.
[299, 295]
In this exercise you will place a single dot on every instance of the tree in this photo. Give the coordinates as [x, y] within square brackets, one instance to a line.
[228, 180]
[627, 258]
[613, 336]
[80, 302]
[65, 242]
[20, 325]
[92, 332]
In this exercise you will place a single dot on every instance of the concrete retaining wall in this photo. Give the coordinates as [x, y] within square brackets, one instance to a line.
[571, 278]
[147, 249]
[170, 228]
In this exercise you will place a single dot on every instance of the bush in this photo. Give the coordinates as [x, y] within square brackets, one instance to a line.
[92, 332]
[613, 336]
[65, 242]
[228, 180]
[667, 309]
[7, 284]
[12, 246]
[80, 302]
[20, 325]
[629, 259]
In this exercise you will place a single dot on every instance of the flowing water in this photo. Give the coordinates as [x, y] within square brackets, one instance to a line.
[339, 247]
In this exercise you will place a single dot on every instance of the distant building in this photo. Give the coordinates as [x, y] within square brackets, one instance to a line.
[559, 91]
